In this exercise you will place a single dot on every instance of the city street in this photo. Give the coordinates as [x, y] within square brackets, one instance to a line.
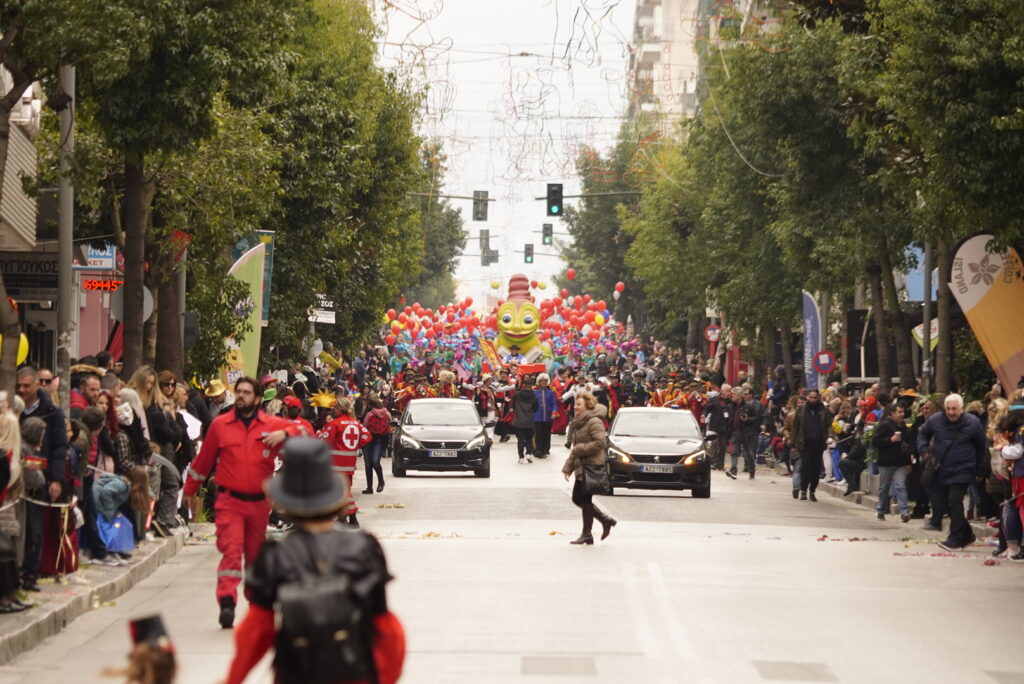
[747, 586]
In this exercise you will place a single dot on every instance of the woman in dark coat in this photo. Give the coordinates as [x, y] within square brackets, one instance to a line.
[524, 403]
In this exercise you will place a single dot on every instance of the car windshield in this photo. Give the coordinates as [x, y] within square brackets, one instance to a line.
[675, 425]
[455, 413]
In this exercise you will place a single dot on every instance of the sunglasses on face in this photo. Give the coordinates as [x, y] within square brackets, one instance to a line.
[45, 381]
[167, 384]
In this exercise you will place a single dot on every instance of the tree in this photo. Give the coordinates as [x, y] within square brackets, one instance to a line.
[163, 103]
[37, 37]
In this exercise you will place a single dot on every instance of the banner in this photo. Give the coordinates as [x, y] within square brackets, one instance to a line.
[990, 290]
[244, 357]
[918, 334]
[251, 240]
[812, 338]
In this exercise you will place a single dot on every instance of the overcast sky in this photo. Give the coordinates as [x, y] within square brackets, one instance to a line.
[516, 87]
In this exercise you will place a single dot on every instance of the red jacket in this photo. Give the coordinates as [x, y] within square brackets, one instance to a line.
[346, 436]
[243, 461]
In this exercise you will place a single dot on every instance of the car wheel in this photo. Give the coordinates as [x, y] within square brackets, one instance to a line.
[702, 492]
[397, 470]
[485, 471]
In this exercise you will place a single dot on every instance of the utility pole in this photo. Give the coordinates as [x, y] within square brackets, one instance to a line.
[67, 301]
[926, 335]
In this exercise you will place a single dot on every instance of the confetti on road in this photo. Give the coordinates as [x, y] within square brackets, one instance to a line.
[391, 505]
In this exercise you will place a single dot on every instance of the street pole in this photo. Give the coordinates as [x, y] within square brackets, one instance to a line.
[182, 280]
[826, 300]
[926, 336]
[67, 300]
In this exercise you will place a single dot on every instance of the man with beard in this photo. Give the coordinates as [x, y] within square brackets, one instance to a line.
[241, 444]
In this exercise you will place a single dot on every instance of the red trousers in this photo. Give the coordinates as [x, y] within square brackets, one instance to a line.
[241, 529]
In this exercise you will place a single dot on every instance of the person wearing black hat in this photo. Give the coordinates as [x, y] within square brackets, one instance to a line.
[151, 659]
[318, 594]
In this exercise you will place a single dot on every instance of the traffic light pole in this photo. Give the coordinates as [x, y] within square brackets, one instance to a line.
[626, 193]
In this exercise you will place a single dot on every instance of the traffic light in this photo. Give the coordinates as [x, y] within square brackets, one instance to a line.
[547, 234]
[479, 205]
[528, 253]
[554, 199]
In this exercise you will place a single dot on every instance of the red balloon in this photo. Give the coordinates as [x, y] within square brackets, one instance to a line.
[390, 339]
[577, 301]
[469, 302]
[429, 334]
[408, 310]
[564, 293]
[402, 318]
[595, 334]
[620, 286]
[545, 335]
[586, 298]
[426, 323]
[492, 322]
[395, 327]
[391, 314]
[571, 274]
[557, 301]
[533, 283]
[601, 306]
[589, 316]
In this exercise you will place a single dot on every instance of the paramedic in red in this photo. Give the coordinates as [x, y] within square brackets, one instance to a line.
[346, 436]
[293, 411]
[241, 444]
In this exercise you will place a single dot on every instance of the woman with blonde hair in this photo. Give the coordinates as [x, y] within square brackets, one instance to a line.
[11, 489]
[589, 439]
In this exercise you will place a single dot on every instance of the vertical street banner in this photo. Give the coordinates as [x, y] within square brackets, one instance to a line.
[812, 338]
[244, 355]
[989, 287]
[254, 238]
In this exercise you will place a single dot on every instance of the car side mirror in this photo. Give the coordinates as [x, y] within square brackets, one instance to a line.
[710, 437]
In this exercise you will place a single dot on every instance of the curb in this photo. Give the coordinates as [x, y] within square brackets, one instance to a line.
[869, 483]
[59, 604]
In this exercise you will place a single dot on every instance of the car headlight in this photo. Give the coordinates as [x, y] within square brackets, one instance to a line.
[695, 457]
[618, 455]
[477, 441]
[408, 442]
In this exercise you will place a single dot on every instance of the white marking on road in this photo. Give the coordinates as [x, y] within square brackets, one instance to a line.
[677, 634]
[638, 613]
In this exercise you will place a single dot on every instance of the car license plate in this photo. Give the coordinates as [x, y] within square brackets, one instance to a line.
[444, 453]
[656, 469]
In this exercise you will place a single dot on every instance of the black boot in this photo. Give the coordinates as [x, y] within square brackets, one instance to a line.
[380, 485]
[607, 523]
[227, 612]
[351, 521]
[585, 538]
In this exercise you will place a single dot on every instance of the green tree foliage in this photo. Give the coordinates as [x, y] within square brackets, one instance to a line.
[443, 238]
[348, 156]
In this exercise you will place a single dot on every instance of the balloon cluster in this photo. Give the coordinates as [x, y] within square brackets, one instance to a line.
[569, 323]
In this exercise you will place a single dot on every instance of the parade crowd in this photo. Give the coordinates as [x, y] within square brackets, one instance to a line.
[128, 462]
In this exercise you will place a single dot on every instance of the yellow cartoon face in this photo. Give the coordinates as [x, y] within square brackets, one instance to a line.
[518, 320]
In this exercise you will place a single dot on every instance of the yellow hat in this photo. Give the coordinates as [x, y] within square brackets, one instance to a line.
[322, 400]
[215, 388]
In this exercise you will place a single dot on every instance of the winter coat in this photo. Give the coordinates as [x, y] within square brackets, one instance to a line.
[751, 417]
[109, 493]
[524, 403]
[960, 446]
[546, 404]
[55, 439]
[589, 441]
[799, 430]
[890, 453]
[163, 430]
[718, 414]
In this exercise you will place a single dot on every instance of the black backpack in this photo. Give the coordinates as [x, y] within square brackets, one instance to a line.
[324, 619]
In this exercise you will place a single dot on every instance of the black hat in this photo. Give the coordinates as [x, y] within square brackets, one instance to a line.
[150, 630]
[306, 486]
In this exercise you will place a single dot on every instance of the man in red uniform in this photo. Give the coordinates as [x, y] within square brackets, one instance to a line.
[346, 436]
[293, 410]
[242, 445]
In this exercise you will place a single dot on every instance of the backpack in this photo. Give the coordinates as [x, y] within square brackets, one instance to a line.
[325, 624]
[378, 421]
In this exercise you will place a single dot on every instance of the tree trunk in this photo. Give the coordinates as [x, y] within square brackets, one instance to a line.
[169, 353]
[693, 336]
[785, 337]
[134, 259]
[944, 347]
[881, 331]
[897, 323]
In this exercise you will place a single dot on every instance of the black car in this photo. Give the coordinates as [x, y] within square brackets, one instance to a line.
[658, 448]
[441, 435]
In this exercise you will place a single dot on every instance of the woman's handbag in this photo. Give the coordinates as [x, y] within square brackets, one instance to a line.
[117, 535]
[597, 479]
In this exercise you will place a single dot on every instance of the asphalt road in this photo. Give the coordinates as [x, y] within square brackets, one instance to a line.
[747, 586]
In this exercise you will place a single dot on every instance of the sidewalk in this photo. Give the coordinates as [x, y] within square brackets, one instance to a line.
[868, 498]
[57, 605]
